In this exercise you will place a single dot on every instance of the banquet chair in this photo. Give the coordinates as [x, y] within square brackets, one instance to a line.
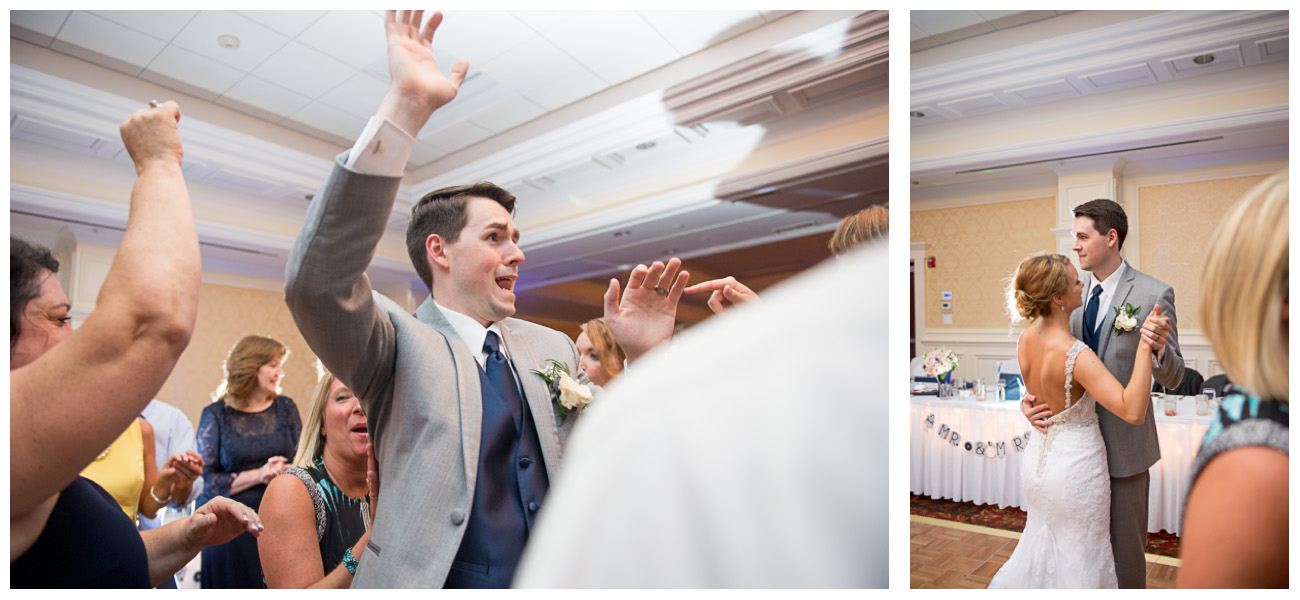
[1219, 383]
[1191, 384]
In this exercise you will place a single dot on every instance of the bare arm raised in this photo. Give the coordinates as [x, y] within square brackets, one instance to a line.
[125, 350]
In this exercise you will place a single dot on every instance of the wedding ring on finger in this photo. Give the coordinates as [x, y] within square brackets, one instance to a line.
[153, 104]
[661, 291]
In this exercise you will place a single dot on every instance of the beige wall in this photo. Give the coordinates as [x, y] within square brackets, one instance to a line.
[975, 249]
[1176, 222]
[227, 314]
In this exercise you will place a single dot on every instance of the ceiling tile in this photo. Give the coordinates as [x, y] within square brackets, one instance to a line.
[44, 22]
[508, 114]
[267, 96]
[518, 69]
[423, 154]
[358, 96]
[110, 39]
[330, 119]
[304, 70]
[918, 33]
[256, 43]
[692, 31]
[285, 22]
[352, 36]
[455, 137]
[564, 90]
[163, 24]
[198, 71]
[479, 36]
[939, 21]
[993, 15]
[616, 46]
[543, 20]
[478, 94]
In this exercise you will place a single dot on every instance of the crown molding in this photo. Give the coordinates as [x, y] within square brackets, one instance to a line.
[213, 154]
[1099, 141]
[866, 153]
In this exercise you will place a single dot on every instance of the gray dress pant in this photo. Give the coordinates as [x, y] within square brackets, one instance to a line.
[1128, 528]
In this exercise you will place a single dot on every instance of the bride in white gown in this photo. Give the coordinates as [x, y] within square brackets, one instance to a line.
[1066, 542]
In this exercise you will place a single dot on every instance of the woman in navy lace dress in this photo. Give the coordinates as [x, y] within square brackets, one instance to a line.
[244, 437]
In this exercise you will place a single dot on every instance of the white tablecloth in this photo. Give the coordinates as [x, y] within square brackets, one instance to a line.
[942, 470]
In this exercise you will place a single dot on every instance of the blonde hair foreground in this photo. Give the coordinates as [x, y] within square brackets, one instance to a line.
[312, 442]
[1244, 288]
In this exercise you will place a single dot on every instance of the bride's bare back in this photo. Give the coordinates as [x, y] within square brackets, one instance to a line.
[1042, 353]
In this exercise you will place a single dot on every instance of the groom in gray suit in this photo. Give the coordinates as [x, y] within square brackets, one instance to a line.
[1100, 227]
[466, 436]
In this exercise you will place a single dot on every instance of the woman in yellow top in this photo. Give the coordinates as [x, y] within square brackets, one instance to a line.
[127, 470]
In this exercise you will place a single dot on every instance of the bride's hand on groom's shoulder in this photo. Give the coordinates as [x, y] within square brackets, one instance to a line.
[1039, 416]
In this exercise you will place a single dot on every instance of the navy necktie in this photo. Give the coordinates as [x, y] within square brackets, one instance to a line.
[1090, 336]
[502, 377]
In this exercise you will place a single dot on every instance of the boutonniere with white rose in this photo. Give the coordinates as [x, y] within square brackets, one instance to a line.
[1126, 318]
[566, 392]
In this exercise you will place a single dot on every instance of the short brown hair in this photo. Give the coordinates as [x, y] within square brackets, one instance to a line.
[603, 342]
[1106, 215]
[871, 223]
[1037, 280]
[241, 366]
[442, 212]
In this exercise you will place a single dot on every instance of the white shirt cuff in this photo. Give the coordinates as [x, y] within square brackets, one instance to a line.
[382, 149]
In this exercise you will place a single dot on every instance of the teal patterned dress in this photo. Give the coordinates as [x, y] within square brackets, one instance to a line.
[340, 520]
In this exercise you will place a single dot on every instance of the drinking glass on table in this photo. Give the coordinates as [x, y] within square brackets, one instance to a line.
[1202, 405]
[979, 389]
[1171, 405]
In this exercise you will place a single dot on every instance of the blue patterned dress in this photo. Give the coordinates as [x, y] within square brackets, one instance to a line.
[232, 441]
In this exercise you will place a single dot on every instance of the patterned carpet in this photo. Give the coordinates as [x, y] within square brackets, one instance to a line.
[1013, 519]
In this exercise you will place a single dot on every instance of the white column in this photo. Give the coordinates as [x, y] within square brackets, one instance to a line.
[1080, 181]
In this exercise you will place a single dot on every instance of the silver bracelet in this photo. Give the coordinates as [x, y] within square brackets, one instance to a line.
[157, 499]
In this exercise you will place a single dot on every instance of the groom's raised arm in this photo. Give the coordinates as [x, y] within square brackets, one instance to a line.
[326, 288]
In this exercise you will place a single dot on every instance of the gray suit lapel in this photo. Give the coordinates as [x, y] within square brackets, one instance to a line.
[536, 393]
[467, 387]
[1076, 317]
[1122, 289]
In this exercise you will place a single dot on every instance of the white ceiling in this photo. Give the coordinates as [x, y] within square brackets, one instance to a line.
[600, 123]
[1097, 63]
[932, 28]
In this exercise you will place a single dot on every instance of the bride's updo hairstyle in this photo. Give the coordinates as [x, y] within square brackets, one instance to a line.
[1036, 281]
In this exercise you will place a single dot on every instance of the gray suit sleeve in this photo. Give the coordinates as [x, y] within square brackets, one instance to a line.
[1168, 370]
[326, 288]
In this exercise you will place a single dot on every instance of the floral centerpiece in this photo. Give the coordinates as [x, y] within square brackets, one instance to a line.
[940, 364]
[566, 392]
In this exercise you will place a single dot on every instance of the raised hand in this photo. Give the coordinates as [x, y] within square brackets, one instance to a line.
[151, 136]
[219, 521]
[727, 292]
[273, 467]
[1155, 330]
[1039, 416]
[645, 316]
[417, 87]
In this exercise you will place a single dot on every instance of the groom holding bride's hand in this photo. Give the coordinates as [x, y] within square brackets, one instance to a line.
[1100, 227]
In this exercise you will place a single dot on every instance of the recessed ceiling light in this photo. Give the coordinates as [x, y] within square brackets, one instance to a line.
[1204, 59]
[916, 114]
[229, 42]
[645, 145]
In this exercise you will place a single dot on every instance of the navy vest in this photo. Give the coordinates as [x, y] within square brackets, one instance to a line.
[509, 488]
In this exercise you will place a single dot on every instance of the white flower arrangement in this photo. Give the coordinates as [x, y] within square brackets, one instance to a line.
[939, 362]
[566, 392]
[1126, 318]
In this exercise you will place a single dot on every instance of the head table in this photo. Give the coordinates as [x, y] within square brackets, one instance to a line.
[970, 451]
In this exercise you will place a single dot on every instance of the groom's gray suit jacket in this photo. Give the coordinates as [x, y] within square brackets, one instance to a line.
[1131, 449]
[417, 381]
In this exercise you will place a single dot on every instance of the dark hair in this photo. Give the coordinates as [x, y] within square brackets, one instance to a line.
[1106, 215]
[442, 212]
[26, 261]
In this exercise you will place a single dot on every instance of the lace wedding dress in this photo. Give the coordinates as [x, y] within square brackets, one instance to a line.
[1066, 542]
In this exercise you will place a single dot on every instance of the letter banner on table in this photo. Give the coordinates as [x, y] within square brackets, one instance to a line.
[986, 449]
